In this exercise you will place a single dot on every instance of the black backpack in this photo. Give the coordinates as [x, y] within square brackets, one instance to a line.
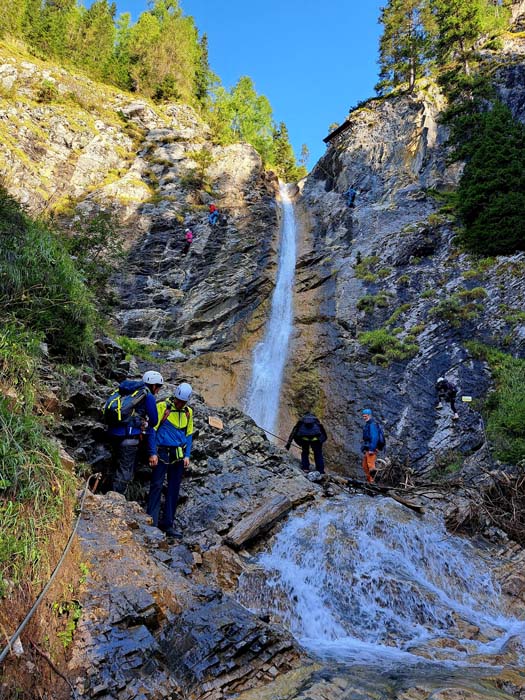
[381, 442]
[120, 408]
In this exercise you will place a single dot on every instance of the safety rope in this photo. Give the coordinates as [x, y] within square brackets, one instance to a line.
[30, 614]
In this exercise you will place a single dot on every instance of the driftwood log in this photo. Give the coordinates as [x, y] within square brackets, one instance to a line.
[258, 522]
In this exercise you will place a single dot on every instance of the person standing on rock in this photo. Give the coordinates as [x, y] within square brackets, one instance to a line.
[369, 445]
[173, 440]
[447, 391]
[188, 236]
[309, 432]
[131, 414]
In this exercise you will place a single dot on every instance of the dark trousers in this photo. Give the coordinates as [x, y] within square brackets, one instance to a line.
[317, 449]
[174, 468]
[449, 399]
[125, 455]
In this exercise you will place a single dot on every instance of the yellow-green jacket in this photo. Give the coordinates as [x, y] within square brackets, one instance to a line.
[175, 427]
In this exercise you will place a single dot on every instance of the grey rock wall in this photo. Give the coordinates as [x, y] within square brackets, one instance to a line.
[390, 263]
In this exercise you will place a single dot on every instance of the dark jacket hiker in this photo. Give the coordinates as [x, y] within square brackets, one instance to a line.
[447, 392]
[131, 415]
[309, 432]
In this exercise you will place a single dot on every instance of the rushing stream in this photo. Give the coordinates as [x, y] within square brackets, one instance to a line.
[367, 581]
[269, 357]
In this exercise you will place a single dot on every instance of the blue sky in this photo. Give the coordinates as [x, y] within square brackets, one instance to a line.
[312, 59]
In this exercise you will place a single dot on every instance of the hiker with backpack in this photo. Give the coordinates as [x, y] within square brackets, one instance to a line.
[373, 440]
[446, 391]
[174, 436]
[131, 416]
[309, 432]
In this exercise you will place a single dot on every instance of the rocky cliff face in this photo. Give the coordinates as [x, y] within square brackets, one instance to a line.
[389, 265]
[71, 146]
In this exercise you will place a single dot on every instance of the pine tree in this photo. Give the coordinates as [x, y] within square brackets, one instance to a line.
[404, 48]
[283, 157]
[491, 195]
[95, 46]
[204, 77]
[461, 24]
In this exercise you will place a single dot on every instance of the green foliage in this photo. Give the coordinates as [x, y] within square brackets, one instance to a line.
[386, 347]
[47, 92]
[405, 44]
[370, 301]
[196, 179]
[19, 353]
[491, 195]
[283, 158]
[366, 268]
[39, 285]
[454, 311]
[35, 495]
[505, 406]
[71, 610]
[461, 23]
[96, 246]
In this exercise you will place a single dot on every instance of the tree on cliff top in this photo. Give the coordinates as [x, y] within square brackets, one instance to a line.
[461, 24]
[404, 47]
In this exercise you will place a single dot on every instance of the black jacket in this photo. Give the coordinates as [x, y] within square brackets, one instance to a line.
[308, 429]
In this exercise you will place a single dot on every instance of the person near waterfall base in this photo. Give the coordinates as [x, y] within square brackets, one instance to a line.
[174, 436]
[369, 445]
[308, 433]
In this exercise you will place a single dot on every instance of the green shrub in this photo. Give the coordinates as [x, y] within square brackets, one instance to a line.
[504, 408]
[40, 286]
[454, 311]
[473, 294]
[370, 301]
[47, 92]
[428, 293]
[36, 497]
[386, 347]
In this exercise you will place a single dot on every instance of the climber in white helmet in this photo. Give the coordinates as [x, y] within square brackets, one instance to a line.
[174, 438]
[131, 415]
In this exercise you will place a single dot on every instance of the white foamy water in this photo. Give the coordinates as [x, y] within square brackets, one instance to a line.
[367, 580]
[270, 355]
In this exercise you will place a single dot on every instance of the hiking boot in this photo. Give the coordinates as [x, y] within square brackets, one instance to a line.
[171, 532]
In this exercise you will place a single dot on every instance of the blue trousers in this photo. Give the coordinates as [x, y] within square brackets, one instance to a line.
[174, 468]
[317, 449]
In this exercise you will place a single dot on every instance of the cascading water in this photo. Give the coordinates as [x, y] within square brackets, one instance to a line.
[363, 580]
[269, 357]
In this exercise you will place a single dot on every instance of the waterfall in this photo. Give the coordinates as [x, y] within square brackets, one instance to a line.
[269, 356]
[360, 580]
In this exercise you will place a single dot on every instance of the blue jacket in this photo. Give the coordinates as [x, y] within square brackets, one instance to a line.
[370, 436]
[147, 409]
[176, 429]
